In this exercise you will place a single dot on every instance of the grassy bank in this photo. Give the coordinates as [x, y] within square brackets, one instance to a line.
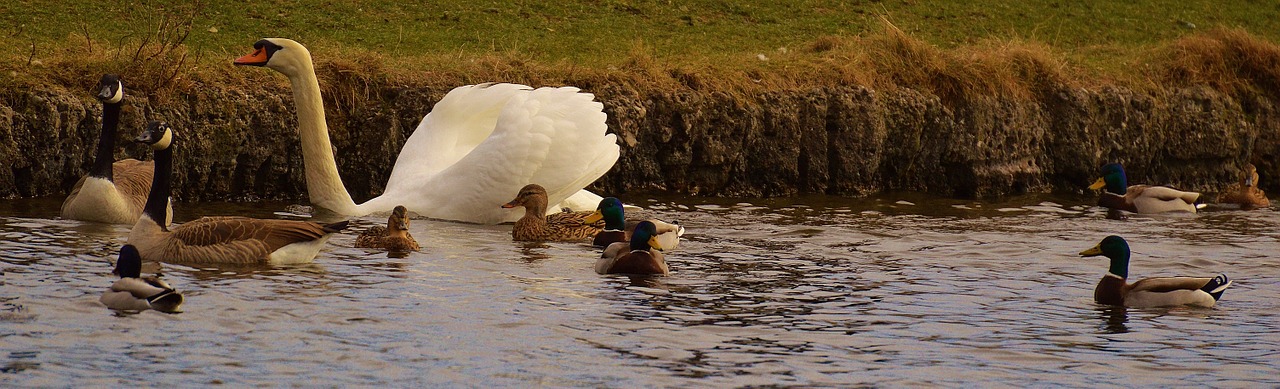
[950, 48]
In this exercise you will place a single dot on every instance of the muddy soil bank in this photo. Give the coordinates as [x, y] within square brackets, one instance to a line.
[842, 140]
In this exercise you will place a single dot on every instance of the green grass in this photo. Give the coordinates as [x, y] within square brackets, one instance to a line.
[512, 38]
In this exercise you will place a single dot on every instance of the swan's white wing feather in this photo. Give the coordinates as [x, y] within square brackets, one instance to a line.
[460, 121]
[554, 137]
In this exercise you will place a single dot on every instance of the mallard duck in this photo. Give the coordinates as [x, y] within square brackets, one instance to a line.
[1246, 193]
[642, 255]
[618, 229]
[1149, 292]
[112, 192]
[394, 237]
[556, 227]
[225, 239]
[1140, 198]
[478, 144]
[132, 292]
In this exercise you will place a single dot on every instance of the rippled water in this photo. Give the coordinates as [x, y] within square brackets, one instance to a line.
[901, 290]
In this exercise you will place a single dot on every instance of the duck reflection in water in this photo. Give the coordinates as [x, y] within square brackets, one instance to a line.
[1113, 319]
[532, 252]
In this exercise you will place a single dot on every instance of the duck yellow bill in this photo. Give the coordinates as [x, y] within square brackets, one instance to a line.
[1099, 184]
[595, 217]
[653, 243]
[1095, 251]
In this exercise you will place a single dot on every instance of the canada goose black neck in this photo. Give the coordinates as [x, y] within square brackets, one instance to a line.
[158, 198]
[106, 141]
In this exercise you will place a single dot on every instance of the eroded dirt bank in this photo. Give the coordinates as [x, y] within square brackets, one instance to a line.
[842, 140]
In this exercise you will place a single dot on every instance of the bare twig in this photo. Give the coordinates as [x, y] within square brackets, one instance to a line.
[89, 41]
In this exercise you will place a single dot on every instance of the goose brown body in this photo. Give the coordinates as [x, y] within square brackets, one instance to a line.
[394, 237]
[1245, 193]
[557, 227]
[222, 239]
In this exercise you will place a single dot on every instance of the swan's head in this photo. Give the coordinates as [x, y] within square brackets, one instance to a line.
[282, 55]
[530, 195]
[158, 134]
[109, 89]
[129, 265]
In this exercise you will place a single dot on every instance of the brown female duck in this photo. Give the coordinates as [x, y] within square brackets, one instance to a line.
[1246, 193]
[537, 226]
[394, 237]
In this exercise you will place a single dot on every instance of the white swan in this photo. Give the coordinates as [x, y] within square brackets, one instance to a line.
[479, 144]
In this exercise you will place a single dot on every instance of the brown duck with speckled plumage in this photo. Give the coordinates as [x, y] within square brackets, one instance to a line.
[394, 237]
[537, 226]
[1245, 193]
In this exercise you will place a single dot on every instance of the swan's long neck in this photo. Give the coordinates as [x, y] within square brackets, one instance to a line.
[106, 142]
[324, 185]
[158, 199]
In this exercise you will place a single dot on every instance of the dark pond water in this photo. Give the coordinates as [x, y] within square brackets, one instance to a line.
[899, 290]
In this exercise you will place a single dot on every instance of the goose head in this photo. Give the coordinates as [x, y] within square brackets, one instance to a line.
[280, 54]
[1113, 179]
[1114, 248]
[109, 89]
[532, 196]
[158, 134]
[129, 265]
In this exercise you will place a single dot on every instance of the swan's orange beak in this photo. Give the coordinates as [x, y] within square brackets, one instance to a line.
[257, 58]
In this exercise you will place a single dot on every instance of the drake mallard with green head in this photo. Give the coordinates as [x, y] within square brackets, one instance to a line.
[132, 292]
[1149, 292]
[1117, 194]
[618, 229]
[642, 255]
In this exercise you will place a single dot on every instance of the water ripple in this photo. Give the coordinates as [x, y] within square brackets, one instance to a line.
[901, 290]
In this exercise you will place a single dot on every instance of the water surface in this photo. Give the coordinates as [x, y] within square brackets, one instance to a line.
[898, 290]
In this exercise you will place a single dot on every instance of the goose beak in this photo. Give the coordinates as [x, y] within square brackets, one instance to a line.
[595, 217]
[1099, 184]
[257, 58]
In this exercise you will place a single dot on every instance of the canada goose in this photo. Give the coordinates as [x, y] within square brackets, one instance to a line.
[618, 229]
[111, 192]
[1149, 292]
[538, 226]
[227, 239]
[1140, 198]
[132, 292]
[394, 237]
[1245, 193]
[641, 255]
[479, 143]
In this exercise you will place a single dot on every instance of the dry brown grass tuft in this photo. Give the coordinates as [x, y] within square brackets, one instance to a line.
[1229, 60]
